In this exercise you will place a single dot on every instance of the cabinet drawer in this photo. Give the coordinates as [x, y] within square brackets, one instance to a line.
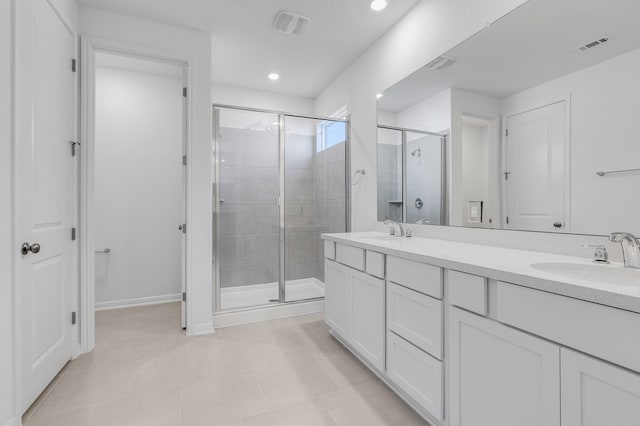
[350, 256]
[330, 250]
[416, 373]
[375, 264]
[416, 317]
[467, 291]
[605, 332]
[421, 277]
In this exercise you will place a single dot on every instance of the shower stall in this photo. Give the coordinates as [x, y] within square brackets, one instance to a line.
[280, 182]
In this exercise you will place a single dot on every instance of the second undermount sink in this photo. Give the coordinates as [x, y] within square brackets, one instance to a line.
[610, 274]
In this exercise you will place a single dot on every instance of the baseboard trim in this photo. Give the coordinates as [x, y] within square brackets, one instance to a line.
[228, 319]
[140, 301]
[201, 329]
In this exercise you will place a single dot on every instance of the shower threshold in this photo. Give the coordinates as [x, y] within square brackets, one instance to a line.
[266, 294]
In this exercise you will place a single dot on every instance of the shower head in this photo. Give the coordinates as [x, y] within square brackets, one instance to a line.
[416, 152]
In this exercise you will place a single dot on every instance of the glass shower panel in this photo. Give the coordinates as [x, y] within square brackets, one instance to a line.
[389, 174]
[315, 200]
[425, 178]
[248, 239]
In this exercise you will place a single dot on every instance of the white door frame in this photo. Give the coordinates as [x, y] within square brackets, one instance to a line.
[544, 101]
[89, 46]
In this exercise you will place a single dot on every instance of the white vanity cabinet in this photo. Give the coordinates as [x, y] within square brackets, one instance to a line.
[366, 316]
[464, 347]
[500, 376]
[597, 393]
[354, 305]
[336, 279]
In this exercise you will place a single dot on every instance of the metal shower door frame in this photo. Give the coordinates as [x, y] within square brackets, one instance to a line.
[281, 198]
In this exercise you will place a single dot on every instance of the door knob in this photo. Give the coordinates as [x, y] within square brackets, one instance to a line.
[33, 248]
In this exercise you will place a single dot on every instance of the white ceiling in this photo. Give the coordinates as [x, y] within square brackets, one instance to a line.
[533, 44]
[245, 47]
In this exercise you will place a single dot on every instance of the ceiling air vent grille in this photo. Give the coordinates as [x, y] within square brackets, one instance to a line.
[440, 62]
[593, 44]
[290, 22]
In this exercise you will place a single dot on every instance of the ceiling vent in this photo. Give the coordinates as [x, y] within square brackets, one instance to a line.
[440, 62]
[593, 44]
[290, 22]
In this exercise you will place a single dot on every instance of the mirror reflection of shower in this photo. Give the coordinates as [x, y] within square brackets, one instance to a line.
[416, 152]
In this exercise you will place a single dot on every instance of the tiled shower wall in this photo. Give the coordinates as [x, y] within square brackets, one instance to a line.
[330, 199]
[249, 182]
[389, 182]
[299, 206]
[249, 185]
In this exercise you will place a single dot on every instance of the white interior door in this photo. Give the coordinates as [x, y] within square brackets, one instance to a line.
[534, 173]
[45, 195]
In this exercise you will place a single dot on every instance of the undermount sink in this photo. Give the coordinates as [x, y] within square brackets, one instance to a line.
[612, 274]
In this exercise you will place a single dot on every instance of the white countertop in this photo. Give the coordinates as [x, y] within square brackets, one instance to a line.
[502, 264]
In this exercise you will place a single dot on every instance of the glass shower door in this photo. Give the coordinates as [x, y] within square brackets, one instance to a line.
[314, 184]
[247, 230]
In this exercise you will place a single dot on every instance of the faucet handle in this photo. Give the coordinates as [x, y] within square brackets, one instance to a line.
[601, 254]
[392, 230]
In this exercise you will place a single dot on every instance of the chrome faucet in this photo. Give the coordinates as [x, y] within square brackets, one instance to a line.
[630, 248]
[394, 228]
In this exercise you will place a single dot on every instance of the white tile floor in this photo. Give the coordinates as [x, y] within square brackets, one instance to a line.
[144, 371]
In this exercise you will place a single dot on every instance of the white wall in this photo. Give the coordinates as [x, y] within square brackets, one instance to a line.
[197, 45]
[431, 115]
[7, 402]
[243, 97]
[427, 31]
[138, 186]
[605, 100]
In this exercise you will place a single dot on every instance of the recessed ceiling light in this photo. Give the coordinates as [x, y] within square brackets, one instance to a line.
[273, 76]
[378, 5]
[379, 95]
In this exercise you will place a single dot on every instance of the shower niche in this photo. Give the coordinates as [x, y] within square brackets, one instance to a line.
[280, 182]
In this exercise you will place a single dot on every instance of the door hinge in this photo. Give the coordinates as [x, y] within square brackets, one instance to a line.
[506, 175]
[74, 65]
[184, 296]
[73, 147]
[506, 132]
[73, 318]
[73, 234]
[184, 160]
[184, 92]
[184, 228]
[507, 220]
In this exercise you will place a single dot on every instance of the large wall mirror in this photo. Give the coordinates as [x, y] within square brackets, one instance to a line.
[531, 124]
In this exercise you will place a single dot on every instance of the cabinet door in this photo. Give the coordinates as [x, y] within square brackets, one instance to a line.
[596, 393]
[501, 376]
[366, 310]
[336, 291]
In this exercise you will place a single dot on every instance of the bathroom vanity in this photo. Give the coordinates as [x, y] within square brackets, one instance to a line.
[477, 335]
